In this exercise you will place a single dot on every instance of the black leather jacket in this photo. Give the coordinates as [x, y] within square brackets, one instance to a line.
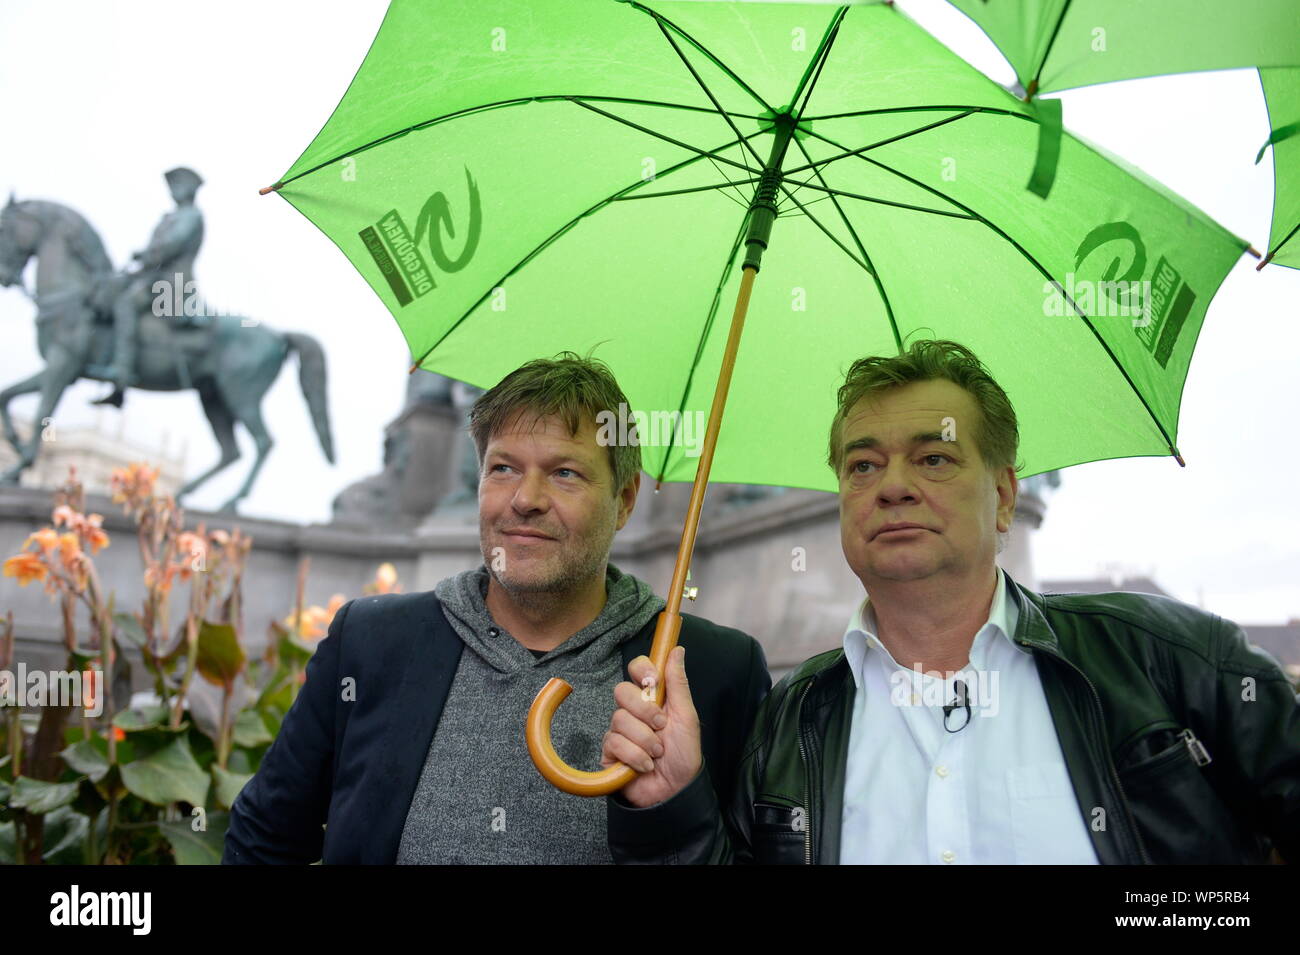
[1142, 691]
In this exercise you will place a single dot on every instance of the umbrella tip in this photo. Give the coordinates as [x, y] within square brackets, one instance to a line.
[414, 366]
[272, 188]
[1264, 261]
[1254, 251]
[1179, 458]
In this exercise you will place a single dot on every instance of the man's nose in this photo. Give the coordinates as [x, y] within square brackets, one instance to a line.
[530, 493]
[896, 484]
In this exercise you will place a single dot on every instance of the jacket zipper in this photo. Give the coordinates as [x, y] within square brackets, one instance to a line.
[1099, 720]
[807, 771]
[1194, 746]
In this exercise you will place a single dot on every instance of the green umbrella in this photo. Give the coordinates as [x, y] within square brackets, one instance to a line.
[1062, 44]
[1282, 91]
[513, 179]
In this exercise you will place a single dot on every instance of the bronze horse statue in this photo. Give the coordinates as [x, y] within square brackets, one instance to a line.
[230, 361]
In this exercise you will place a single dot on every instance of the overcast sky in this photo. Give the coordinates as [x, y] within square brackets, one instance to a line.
[101, 97]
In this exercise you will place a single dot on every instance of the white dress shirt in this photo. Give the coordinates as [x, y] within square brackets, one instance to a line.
[995, 791]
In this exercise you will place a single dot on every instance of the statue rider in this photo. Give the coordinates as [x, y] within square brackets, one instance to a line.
[170, 253]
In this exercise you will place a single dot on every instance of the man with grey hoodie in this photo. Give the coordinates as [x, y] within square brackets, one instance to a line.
[406, 743]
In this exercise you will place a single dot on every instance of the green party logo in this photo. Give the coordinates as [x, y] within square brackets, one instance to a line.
[396, 250]
[1162, 299]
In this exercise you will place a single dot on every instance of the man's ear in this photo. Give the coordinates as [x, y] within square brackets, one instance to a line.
[1008, 487]
[627, 500]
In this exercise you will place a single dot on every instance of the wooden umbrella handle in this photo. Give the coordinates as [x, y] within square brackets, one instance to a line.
[538, 730]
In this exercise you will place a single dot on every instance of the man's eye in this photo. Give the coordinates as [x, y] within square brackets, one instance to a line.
[936, 460]
[859, 467]
[565, 472]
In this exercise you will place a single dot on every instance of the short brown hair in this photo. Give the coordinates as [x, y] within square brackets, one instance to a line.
[569, 386]
[998, 435]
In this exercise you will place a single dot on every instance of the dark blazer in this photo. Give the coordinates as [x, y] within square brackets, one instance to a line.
[353, 764]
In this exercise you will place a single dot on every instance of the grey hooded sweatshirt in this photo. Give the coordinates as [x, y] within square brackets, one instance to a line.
[480, 799]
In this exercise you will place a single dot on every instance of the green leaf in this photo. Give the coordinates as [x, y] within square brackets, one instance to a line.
[197, 848]
[228, 785]
[290, 648]
[8, 847]
[138, 718]
[85, 757]
[250, 729]
[220, 658]
[128, 626]
[65, 837]
[277, 695]
[168, 774]
[38, 796]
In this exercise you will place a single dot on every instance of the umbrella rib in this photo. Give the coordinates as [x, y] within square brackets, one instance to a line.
[739, 197]
[918, 109]
[596, 207]
[1037, 265]
[1033, 83]
[708, 92]
[718, 186]
[878, 143]
[1287, 238]
[871, 266]
[814, 220]
[675, 142]
[819, 59]
[884, 202]
[483, 107]
[661, 19]
[795, 213]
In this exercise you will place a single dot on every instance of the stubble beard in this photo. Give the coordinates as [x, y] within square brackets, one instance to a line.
[573, 570]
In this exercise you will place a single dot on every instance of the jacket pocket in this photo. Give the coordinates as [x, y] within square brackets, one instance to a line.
[1182, 818]
[780, 833]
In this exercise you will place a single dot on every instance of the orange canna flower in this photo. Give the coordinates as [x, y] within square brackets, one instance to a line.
[94, 532]
[98, 540]
[26, 567]
[385, 580]
[157, 576]
[63, 515]
[47, 537]
[193, 549]
[69, 550]
[135, 482]
[316, 620]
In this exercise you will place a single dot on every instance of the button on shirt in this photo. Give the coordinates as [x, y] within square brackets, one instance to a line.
[996, 791]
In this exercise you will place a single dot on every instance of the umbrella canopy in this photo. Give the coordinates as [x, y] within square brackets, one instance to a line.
[1282, 91]
[1061, 44]
[514, 179]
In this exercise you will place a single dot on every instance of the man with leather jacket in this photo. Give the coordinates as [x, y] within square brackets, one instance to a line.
[968, 719]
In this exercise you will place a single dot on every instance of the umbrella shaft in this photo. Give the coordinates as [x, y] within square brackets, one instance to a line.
[687, 546]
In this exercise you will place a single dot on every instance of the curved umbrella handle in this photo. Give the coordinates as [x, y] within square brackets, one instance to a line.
[560, 774]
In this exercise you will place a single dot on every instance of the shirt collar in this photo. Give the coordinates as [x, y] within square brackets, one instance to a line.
[860, 635]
